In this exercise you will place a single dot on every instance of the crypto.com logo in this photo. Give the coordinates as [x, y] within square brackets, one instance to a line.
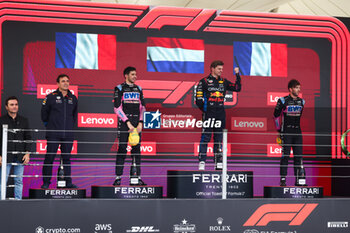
[295, 213]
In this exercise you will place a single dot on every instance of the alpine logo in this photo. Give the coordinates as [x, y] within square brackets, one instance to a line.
[142, 229]
[294, 213]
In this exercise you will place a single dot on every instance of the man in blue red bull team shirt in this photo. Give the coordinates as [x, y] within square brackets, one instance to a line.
[210, 98]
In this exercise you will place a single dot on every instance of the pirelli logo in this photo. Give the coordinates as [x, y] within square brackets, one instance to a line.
[294, 213]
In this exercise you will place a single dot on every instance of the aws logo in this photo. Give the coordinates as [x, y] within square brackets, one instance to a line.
[294, 213]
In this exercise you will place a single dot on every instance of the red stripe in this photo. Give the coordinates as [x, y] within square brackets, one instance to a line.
[107, 52]
[279, 60]
[194, 44]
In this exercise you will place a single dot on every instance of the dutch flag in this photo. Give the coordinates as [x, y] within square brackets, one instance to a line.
[175, 55]
[261, 59]
[85, 51]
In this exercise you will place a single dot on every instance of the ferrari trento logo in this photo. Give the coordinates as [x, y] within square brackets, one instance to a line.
[294, 213]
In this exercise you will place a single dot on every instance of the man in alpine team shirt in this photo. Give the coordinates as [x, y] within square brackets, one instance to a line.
[210, 98]
[129, 105]
[287, 119]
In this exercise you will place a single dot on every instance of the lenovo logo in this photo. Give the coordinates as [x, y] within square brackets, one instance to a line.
[97, 120]
[41, 146]
[272, 97]
[248, 124]
[210, 149]
[44, 89]
[295, 214]
[275, 150]
[146, 148]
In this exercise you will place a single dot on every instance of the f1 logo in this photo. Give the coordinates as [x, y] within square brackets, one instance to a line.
[191, 19]
[295, 213]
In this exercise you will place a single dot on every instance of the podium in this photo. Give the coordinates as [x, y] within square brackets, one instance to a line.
[127, 192]
[293, 192]
[208, 184]
[57, 193]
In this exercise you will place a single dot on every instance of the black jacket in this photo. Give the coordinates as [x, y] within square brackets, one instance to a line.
[18, 123]
[59, 113]
[287, 113]
[211, 91]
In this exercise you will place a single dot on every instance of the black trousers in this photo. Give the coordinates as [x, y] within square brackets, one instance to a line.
[52, 147]
[206, 137]
[123, 136]
[291, 142]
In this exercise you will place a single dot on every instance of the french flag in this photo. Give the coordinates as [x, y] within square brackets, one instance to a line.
[261, 59]
[86, 51]
[175, 55]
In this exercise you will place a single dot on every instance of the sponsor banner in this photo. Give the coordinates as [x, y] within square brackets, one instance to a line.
[41, 146]
[275, 150]
[210, 149]
[220, 227]
[57, 193]
[142, 229]
[184, 227]
[44, 89]
[178, 121]
[208, 184]
[292, 192]
[295, 214]
[41, 229]
[272, 97]
[147, 148]
[342, 224]
[127, 192]
[258, 215]
[248, 124]
[97, 120]
[103, 228]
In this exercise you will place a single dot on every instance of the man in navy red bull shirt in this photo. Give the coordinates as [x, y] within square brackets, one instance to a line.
[287, 119]
[129, 105]
[59, 112]
[210, 98]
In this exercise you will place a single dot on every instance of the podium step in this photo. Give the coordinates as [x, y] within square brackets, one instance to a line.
[127, 192]
[57, 193]
[293, 192]
[208, 184]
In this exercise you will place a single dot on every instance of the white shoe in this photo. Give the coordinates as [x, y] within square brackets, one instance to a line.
[201, 166]
[218, 166]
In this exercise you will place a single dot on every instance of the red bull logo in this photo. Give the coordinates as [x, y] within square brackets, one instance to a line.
[217, 94]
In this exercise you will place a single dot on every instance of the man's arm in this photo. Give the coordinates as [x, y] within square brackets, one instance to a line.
[142, 110]
[27, 136]
[277, 113]
[200, 98]
[118, 107]
[75, 113]
[237, 86]
[45, 110]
